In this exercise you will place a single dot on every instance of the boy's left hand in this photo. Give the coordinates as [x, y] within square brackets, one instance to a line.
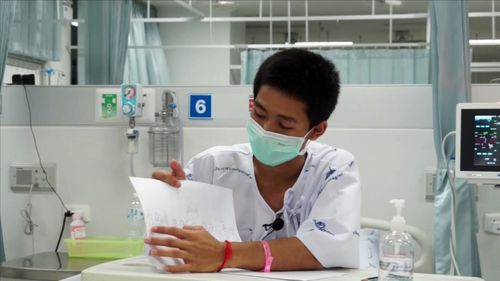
[200, 251]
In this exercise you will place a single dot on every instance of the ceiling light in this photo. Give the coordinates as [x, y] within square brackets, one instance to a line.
[324, 44]
[393, 2]
[225, 3]
[484, 42]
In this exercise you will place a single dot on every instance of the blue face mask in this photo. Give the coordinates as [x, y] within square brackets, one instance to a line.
[273, 149]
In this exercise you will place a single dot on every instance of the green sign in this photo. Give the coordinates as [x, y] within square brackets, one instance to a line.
[109, 105]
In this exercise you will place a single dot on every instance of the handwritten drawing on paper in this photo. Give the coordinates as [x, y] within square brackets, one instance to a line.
[194, 203]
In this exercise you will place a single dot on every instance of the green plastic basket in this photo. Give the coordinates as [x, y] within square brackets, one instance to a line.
[104, 247]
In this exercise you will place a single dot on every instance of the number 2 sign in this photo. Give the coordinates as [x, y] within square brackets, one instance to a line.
[200, 107]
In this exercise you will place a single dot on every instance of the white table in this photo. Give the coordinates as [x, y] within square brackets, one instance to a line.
[138, 268]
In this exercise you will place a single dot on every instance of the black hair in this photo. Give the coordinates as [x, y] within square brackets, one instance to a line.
[305, 76]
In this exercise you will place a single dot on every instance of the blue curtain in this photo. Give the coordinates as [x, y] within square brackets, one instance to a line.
[450, 75]
[39, 40]
[105, 36]
[7, 8]
[250, 62]
[359, 66]
[147, 66]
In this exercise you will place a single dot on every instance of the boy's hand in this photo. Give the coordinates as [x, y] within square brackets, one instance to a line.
[200, 251]
[173, 178]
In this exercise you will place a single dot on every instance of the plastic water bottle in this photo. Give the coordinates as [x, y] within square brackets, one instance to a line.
[77, 227]
[396, 250]
[135, 219]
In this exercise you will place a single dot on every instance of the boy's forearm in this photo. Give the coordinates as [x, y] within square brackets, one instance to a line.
[288, 254]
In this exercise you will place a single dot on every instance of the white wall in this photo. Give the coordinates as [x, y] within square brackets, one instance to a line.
[184, 64]
[92, 168]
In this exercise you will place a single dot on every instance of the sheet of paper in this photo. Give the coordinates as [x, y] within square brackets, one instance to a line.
[194, 203]
[307, 275]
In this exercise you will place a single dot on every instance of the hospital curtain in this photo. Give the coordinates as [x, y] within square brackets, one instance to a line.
[147, 66]
[39, 40]
[450, 75]
[359, 66]
[250, 62]
[6, 16]
[104, 37]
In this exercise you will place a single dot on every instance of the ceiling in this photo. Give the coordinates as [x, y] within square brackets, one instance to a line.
[251, 8]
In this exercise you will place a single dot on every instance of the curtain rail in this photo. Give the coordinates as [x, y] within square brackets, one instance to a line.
[274, 19]
[288, 46]
[275, 46]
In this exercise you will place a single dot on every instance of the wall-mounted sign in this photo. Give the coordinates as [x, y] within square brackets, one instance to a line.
[200, 106]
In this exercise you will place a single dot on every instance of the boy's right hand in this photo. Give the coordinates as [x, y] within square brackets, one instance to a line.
[173, 178]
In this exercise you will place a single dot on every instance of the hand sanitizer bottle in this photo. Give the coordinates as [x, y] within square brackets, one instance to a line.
[77, 227]
[396, 249]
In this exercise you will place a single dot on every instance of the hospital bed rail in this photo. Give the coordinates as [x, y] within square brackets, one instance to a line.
[423, 263]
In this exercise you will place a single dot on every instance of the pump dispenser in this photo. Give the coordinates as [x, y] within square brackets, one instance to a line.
[398, 221]
[396, 249]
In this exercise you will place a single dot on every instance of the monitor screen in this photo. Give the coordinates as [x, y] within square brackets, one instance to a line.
[478, 141]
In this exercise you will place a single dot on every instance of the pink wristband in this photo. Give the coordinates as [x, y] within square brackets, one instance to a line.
[268, 258]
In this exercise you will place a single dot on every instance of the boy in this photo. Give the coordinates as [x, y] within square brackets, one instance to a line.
[297, 202]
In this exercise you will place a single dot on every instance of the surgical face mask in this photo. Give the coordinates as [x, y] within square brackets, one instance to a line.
[273, 149]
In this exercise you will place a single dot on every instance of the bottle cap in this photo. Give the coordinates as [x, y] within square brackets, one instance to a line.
[398, 221]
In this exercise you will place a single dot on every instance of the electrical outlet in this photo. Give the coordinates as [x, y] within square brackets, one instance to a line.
[83, 209]
[430, 182]
[492, 223]
[24, 176]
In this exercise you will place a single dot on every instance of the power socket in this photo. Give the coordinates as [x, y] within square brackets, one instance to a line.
[430, 182]
[492, 223]
[83, 209]
[23, 176]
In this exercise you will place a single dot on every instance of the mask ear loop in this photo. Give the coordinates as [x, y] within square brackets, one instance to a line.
[303, 150]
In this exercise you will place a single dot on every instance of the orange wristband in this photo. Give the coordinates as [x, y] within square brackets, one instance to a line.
[228, 252]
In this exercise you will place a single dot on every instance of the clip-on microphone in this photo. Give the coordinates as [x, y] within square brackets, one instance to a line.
[276, 225]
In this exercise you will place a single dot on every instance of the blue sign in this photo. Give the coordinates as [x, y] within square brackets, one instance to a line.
[200, 106]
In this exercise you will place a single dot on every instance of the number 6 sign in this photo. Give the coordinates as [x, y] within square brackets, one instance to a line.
[200, 106]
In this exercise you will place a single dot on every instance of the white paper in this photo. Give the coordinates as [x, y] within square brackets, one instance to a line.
[306, 275]
[77, 277]
[194, 203]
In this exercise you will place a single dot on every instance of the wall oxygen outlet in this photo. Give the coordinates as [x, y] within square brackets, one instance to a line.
[83, 209]
[108, 106]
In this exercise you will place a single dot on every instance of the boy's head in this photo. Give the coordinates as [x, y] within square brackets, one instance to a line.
[304, 76]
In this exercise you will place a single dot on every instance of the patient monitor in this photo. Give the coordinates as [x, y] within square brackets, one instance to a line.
[478, 142]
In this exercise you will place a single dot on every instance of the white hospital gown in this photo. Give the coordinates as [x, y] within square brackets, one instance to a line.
[322, 208]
